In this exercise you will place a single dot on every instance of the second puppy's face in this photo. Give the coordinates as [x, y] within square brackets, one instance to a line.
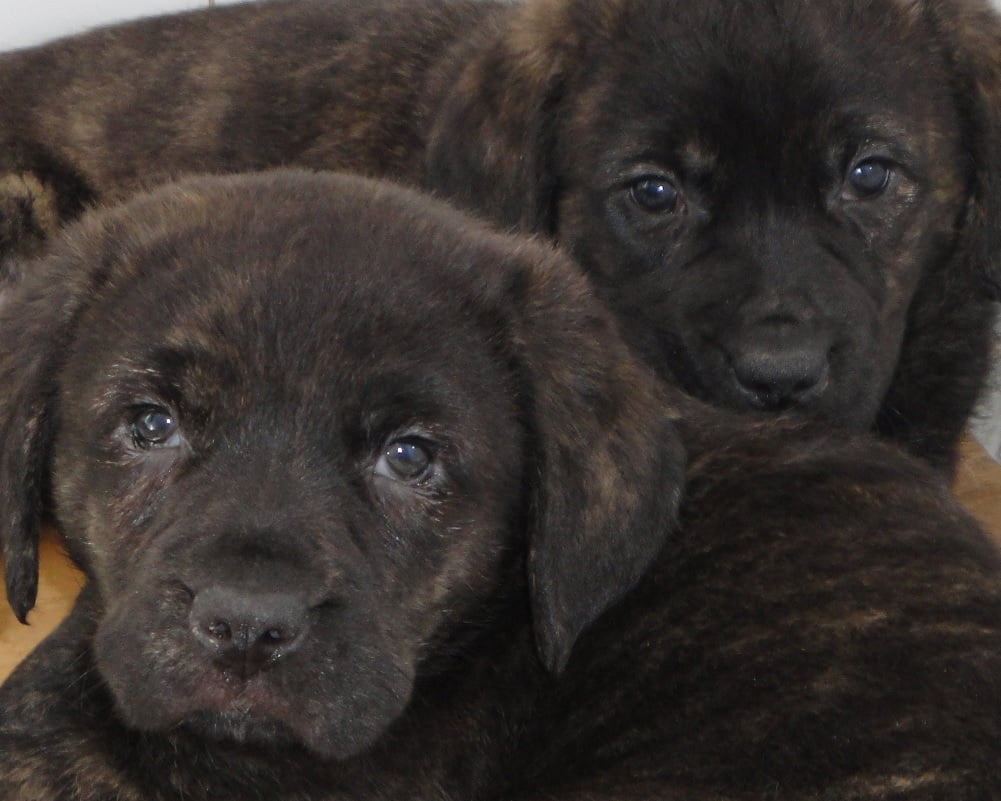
[759, 193]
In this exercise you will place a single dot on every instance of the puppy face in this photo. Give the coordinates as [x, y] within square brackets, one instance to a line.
[763, 204]
[276, 487]
[307, 502]
[302, 451]
[790, 205]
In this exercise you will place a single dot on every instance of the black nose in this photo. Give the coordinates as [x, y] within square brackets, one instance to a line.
[776, 377]
[247, 632]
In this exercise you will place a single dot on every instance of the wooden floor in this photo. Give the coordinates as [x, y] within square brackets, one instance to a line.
[978, 486]
[59, 584]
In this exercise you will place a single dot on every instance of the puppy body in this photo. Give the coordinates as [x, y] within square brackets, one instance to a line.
[401, 533]
[784, 216]
[314, 83]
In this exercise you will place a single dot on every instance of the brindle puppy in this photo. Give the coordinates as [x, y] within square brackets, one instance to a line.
[791, 204]
[374, 504]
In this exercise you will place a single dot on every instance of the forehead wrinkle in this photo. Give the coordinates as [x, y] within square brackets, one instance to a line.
[757, 48]
[175, 380]
[402, 398]
[315, 388]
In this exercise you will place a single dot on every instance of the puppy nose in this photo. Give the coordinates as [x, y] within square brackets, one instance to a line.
[247, 632]
[775, 377]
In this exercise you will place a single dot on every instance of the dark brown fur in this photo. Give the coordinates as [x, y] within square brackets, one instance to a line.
[767, 282]
[515, 620]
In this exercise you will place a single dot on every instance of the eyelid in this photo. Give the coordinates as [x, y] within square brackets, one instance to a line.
[690, 163]
[647, 169]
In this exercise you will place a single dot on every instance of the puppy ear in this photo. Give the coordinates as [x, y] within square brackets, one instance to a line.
[610, 465]
[29, 215]
[491, 141]
[973, 33]
[25, 421]
[36, 320]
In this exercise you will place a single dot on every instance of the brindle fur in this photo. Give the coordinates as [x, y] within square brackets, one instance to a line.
[769, 284]
[519, 621]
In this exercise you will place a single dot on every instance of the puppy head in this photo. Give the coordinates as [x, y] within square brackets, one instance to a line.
[764, 195]
[305, 432]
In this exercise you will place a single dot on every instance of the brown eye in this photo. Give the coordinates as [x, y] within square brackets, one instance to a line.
[154, 426]
[405, 460]
[869, 178]
[656, 194]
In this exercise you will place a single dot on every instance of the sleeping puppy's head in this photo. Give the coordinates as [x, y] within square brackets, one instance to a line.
[304, 433]
[788, 202]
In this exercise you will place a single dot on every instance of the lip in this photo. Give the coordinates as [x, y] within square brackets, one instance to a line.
[241, 728]
[243, 711]
[252, 698]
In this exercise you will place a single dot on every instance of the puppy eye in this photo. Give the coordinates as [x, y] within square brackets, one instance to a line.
[656, 194]
[869, 178]
[406, 459]
[154, 426]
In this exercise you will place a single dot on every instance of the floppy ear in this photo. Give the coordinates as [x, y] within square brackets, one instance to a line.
[37, 318]
[39, 193]
[29, 215]
[492, 136]
[609, 463]
[972, 30]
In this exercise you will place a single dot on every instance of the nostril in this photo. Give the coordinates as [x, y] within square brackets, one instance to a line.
[219, 630]
[277, 638]
[809, 382]
[212, 632]
[246, 631]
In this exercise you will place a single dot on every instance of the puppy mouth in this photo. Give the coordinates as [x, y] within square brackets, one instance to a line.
[242, 726]
[331, 684]
[332, 709]
[253, 713]
[227, 704]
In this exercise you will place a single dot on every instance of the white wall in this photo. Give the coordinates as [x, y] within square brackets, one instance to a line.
[28, 22]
